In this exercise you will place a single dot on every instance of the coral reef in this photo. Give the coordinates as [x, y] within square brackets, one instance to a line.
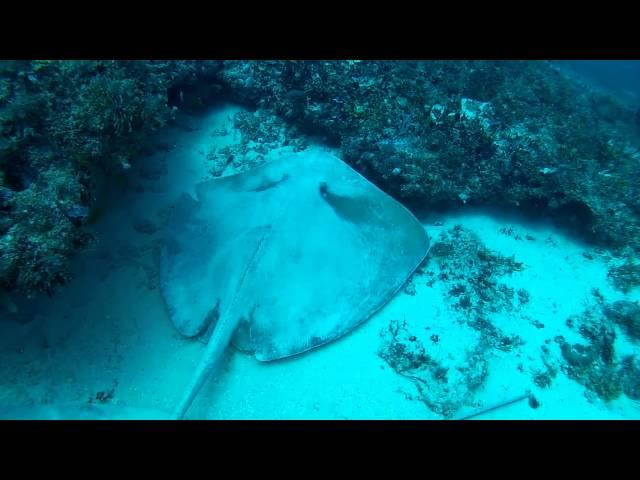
[442, 133]
[261, 133]
[44, 233]
[62, 123]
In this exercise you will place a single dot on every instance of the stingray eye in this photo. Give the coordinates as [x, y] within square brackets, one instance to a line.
[323, 189]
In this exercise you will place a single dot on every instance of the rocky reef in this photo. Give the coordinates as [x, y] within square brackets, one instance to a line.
[63, 126]
[447, 133]
[434, 134]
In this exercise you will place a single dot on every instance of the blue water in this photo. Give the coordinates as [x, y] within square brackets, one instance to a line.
[618, 77]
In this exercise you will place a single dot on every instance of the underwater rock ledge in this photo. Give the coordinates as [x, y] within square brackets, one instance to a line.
[433, 134]
[442, 134]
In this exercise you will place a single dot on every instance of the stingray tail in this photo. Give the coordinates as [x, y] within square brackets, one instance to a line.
[223, 330]
[218, 342]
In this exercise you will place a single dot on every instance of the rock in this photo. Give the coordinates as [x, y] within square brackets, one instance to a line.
[437, 114]
[503, 135]
[631, 379]
[625, 277]
[533, 402]
[577, 355]
[594, 365]
[627, 315]
[473, 110]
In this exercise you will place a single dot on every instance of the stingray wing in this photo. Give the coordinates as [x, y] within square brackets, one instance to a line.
[338, 249]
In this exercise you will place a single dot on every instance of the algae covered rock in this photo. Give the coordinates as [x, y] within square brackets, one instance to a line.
[627, 315]
[596, 364]
[448, 133]
[62, 124]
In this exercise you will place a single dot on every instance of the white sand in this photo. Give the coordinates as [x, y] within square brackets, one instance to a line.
[108, 327]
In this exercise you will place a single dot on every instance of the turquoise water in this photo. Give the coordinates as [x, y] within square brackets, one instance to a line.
[619, 77]
[510, 316]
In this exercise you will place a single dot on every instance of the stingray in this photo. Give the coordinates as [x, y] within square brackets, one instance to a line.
[283, 258]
